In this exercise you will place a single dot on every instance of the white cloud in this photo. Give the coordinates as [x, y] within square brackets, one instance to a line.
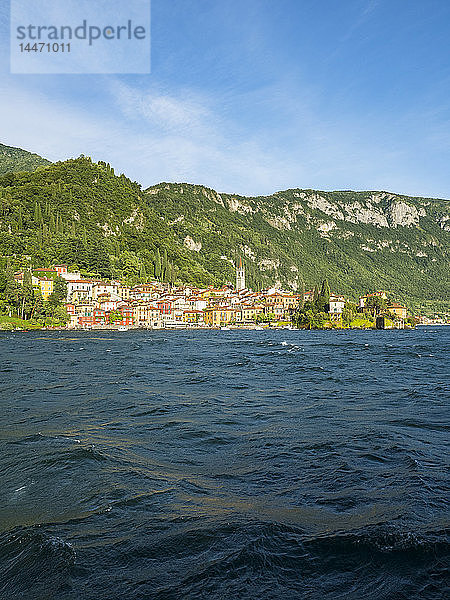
[160, 138]
[155, 136]
[161, 110]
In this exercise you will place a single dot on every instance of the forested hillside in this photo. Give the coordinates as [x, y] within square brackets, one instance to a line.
[81, 213]
[15, 160]
[359, 241]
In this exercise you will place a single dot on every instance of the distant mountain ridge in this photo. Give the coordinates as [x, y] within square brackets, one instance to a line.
[357, 240]
[15, 159]
[80, 212]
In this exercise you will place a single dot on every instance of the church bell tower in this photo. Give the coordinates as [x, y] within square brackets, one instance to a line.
[240, 276]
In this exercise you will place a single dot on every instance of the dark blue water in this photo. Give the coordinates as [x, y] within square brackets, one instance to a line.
[247, 464]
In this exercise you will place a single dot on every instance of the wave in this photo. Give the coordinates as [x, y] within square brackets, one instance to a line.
[269, 560]
[264, 560]
[34, 564]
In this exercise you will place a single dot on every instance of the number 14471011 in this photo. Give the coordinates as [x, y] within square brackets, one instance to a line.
[45, 47]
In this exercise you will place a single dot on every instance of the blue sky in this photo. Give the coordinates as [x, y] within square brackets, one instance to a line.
[255, 96]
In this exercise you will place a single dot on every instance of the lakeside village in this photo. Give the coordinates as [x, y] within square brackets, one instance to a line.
[58, 298]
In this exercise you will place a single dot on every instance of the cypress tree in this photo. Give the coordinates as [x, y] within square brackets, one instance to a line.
[157, 264]
[36, 212]
[164, 266]
[142, 273]
[325, 291]
[301, 290]
[27, 279]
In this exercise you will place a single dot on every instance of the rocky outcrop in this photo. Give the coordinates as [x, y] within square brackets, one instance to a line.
[191, 244]
[400, 213]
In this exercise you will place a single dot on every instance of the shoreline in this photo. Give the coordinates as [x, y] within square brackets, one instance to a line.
[229, 328]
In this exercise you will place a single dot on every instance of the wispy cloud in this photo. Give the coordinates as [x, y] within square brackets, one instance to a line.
[185, 111]
[153, 135]
[157, 137]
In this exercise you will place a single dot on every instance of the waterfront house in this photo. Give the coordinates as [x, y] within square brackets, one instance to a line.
[144, 291]
[70, 308]
[99, 316]
[250, 312]
[146, 314]
[85, 322]
[397, 309]
[337, 304]
[197, 303]
[216, 316]
[284, 301]
[165, 306]
[85, 309]
[278, 312]
[107, 304]
[192, 316]
[127, 315]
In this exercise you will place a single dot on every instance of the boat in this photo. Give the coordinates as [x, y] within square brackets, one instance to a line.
[259, 328]
[224, 329]
[122, 328]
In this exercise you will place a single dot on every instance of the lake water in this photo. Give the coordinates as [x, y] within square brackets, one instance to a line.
[224, 464]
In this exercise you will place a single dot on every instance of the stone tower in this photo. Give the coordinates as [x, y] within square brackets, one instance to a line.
[240, 276]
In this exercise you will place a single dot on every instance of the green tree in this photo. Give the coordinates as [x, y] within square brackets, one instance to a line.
[115, 315]
[59, 294]
[349, 313]
[376, 305]
[164, 266]
[37, 213]
[325, 291]
[157, 264]
[27, 295]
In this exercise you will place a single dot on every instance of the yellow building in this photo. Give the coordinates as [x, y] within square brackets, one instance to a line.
[285, 301]
[46, 286]
[219, 315]
[192, 315]
[249, 313]
[397, 309]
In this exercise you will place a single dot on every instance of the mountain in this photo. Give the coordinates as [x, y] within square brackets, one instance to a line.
[80, 212]
[15, 159]
[359, 241]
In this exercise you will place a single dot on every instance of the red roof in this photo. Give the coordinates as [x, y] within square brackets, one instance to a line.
[79, 281]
